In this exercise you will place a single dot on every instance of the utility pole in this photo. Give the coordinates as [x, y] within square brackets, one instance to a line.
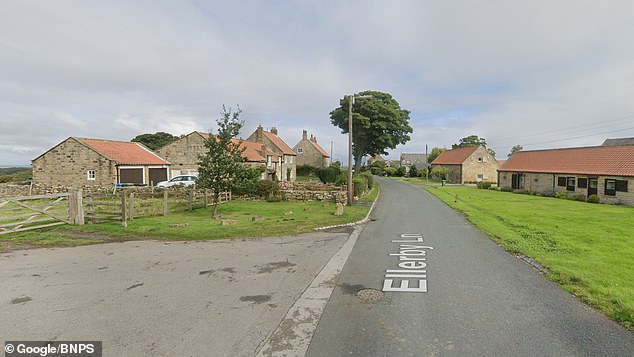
[350, 102]
[426, 167]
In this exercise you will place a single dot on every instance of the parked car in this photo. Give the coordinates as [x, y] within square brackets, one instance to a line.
[183, 180]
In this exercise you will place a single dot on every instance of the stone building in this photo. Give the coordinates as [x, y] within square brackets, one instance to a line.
[286, 170]
[88, 163]
[310, 153]
[605, 171]
[183, 153]
[468, 165]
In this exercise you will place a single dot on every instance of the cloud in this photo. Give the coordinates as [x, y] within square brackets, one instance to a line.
[512, 72]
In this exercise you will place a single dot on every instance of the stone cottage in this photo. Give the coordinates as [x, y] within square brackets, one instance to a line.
[605, 171]
[89, 163]
[183, 153]
[468, 165]
[286, 156]
[310, 153]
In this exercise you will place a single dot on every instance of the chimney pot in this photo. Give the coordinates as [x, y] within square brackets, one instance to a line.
[305, 135]
[274, 130]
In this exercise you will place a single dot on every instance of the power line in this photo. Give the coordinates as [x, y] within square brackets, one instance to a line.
[566, 139]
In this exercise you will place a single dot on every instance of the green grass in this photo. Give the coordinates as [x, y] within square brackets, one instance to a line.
[196, 225]
[371, 196]
[418, 180]
[587, 248]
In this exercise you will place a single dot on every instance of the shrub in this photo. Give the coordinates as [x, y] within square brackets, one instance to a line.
[327, 174]
[268, 189]
[578, 197]
[376, 170]
[368, 178]
[305, 170]
[342, 179]
[439, 173]
[390, 171]
[548, 194]
[413, 171]
[485, 185]
[562, 194]
[360, 185]
[401, 171]
[593, 199]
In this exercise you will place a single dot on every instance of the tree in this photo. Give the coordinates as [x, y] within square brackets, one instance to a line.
[156, 140]
[515, 149]
[473, 140]
[378, 124]
[222, 167]
[439, 173]
[435, 152]
[413, 171]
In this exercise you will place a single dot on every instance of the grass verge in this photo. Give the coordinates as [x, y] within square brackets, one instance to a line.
[276, 219]
[587, 248]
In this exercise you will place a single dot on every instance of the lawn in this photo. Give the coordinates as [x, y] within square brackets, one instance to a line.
[276, 219]
[587, 248]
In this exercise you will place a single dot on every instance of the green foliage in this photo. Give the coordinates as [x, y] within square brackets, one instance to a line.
[375, 170]
[434, 154]
[400, 171]
[268, 189]
[593, 199]
[360, 185]
[245, 182]
[390, 171]
[368, 179]
[221, 168]
[327, 174]
[305, 170]
[20, 175]
[378, 122]
[515, 149]
[413, 171]
[485, 185]
[439, 173]
[156, 140]
[472, 140]
[342, 179]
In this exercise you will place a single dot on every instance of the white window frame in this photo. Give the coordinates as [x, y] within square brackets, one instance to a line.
[300, 151]
[91, 175]
[290, 159]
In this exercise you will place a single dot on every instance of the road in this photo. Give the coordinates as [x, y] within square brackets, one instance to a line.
[479, 299]
[154, 298]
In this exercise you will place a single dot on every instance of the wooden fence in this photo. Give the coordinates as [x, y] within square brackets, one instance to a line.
[25, 213]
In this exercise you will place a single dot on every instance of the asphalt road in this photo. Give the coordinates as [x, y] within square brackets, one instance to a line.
[150, 298]
[480, 300]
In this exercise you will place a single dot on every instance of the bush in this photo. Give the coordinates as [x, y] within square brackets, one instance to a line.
[376, 170]
[360, 185]
[413, 171]
[305, 170]
[342, 179]
[368, 178]
[390, 171]
[562, 194]
[593, 199]
[439, 173]
[578, 197]
[268, 189]
[328, 174]
[485, 185]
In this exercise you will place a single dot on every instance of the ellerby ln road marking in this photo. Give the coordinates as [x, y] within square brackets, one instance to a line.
[412, 261]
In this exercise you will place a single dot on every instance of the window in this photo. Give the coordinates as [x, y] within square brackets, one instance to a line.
[610, 187]
[561, 181]
[91, 175]
[479, 159]
[300, 151]
[621, 185]
[582, 183]
[572, 182]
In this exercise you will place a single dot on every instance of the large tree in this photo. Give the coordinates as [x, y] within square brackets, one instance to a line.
[515, 149]
[378, 124]
[222, 167]
[435, 152]
[156, 140]
[473, 140]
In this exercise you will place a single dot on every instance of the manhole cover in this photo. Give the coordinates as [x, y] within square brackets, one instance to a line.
[370, 295]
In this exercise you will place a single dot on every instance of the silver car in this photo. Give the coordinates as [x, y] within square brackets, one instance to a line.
[182, 180]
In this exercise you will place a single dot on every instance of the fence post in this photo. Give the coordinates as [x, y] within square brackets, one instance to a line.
[89, 212]
[76, 208]
[165, 208]
[131, 206]
[124, 216]
[229, 195]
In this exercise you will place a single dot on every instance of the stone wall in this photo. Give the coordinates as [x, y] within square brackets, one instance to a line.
[183, 154]
[309, 154]
[542, 183]
[480, 166]
[68, 163]
[455, 172]
[294, 195]
[13, 190]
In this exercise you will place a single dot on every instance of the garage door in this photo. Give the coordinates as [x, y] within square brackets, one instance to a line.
[131, 176]
[157, 175]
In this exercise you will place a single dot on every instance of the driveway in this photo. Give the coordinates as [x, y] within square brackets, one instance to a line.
[155, 298]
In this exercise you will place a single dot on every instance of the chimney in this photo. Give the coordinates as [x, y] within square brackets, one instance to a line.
[259, 136]
[263, 148]
[274, 130]
[305, 135]
[315, 140]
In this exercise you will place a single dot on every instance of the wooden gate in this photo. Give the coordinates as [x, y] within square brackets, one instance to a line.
[19, 214]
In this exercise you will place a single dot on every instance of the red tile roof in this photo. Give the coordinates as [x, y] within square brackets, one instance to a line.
[319, 148]
[253, 152]
[123, 152]
[455, 156]
[595, 160]
[279, 143]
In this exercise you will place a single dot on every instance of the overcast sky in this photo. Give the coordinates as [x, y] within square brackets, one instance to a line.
[541, 74]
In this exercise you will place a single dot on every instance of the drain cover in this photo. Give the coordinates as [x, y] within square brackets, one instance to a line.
[370, 295]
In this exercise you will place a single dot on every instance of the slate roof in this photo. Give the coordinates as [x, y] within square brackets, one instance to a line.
[408, 159]
[595, 160]
[124, 152]
[618, 142]
[454, 156]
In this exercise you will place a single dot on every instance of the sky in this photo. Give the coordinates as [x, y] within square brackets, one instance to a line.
[541, 74]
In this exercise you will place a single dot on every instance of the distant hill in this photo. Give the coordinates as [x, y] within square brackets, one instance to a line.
[19, 175]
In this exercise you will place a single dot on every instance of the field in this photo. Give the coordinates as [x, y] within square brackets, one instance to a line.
[587, 248]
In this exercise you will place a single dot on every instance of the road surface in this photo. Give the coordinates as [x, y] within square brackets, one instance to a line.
[479, 300]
